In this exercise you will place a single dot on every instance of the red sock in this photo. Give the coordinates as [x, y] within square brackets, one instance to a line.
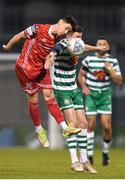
[55, 110]
[34, 111]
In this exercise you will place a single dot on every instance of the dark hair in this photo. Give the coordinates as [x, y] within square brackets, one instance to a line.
[78, 29]
[104, 38]
[71, 20]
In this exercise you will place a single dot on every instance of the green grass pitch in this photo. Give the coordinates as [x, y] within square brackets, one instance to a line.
[23, 163]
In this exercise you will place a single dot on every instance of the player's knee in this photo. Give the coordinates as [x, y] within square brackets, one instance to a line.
[83, 124]
[90, 127]
[33, 99]
[48, 94]
[107, 128]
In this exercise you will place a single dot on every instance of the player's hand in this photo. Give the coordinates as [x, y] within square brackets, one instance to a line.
[102, 48]
[49, 61]
[5, 47]
[108, 66]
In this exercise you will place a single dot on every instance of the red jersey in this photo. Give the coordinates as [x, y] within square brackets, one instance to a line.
[36, 47]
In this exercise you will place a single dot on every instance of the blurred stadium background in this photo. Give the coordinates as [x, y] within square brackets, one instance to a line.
[98, 18]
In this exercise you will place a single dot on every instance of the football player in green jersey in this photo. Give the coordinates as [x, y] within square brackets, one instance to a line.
[95, 76]
[70, 100]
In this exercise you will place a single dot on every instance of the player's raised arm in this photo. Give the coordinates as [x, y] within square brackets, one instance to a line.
[94, 48]
[13, 41]
[28, 33]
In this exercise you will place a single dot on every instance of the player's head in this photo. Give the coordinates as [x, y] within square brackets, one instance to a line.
[66, 24]
[77, 33]
[102, 41]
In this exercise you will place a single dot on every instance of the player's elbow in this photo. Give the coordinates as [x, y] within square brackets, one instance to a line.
[79, 77]
[119, 81]
[19, 36]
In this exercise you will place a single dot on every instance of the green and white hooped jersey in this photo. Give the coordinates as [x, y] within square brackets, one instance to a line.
[93, 64]
[64, 69]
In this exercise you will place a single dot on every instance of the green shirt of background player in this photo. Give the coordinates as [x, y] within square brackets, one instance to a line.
[69, 98]
[95, 77]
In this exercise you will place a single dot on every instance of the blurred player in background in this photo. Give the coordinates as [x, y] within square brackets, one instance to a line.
[69, 98]
[95, 77]
[39, 39]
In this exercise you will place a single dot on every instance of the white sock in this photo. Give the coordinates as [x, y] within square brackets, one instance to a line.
[39, 128]
[63, 125]
[83, 155]
[73, 154]
[72, 146]
[106, 146]
[90, 143]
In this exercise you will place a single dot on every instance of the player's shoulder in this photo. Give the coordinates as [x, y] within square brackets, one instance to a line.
[90, 56]
[64, 42]
[110, 56]
[44, 26]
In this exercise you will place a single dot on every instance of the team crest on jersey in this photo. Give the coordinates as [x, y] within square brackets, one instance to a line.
[100, 75]
[66, 101]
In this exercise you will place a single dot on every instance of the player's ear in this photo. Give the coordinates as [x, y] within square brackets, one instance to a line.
[60, 21]
[108, 46]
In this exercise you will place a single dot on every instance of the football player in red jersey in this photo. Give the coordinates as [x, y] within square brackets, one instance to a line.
[32, 75]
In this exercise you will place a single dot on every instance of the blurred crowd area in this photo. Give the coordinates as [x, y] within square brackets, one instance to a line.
[97, 18]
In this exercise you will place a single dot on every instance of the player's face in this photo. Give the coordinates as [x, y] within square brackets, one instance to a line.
[103, 42]
[77, 35]
[63, 28]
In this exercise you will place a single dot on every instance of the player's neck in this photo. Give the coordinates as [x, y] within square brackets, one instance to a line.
[54, 29]
[101, 55]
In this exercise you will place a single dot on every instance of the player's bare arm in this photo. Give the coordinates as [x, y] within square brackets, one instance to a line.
[82, 82]
[117, 79]
[13, 41]
[49, 60]
[94, 48]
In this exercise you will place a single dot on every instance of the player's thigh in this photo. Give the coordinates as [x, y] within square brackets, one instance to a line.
[44, 80]
[106, 121]
[105, 102]
[77, 99]
[29, 87]
[64, 99]
[90, 105]
[81, 119]
[79, 108]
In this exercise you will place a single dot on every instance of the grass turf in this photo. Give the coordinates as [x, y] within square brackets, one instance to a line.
[23, 163]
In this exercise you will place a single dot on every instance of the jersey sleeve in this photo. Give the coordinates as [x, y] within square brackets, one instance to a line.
[116, 67]
[60, 47]
[85, 62]
[31, 31]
